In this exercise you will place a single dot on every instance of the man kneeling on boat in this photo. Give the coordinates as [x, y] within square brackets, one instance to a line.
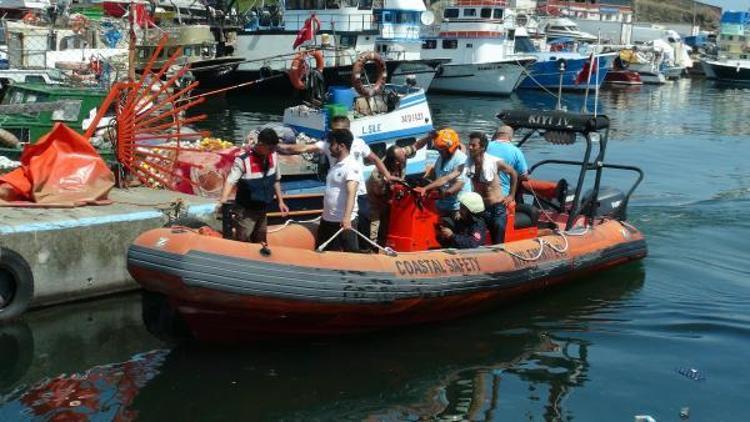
[339, 201]
[257, 177]
[483, 170]
[467, 230]
[448, 172]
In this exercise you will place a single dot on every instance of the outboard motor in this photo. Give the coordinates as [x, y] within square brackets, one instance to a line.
[608, 204]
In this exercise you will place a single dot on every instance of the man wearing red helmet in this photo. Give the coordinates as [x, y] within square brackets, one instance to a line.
[447, 172]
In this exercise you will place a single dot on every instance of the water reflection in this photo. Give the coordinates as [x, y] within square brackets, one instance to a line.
[458, 368]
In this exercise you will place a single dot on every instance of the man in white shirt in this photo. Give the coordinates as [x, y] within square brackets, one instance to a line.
[359, 151]
[340, 208]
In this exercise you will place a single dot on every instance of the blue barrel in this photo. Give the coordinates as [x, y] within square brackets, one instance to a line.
[341, 95]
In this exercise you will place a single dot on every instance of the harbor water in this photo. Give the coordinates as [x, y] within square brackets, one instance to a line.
[666, 337]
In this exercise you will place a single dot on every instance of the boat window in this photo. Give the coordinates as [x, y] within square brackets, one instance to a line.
[450, 44]
[348, 41]
[17, 98]
[486, 13]
[469, 45]
[450, 13]
[34, 79]
[387, 17]
[188, 51]
[497, 14]
[429, 44]
[524, 45]
[470, 12]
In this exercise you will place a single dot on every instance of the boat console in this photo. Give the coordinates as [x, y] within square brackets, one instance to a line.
[561, 127]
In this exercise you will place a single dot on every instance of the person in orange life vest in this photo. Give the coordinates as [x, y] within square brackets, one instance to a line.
[447, 172]
[256, 175]
[340, 209]
[483, 171]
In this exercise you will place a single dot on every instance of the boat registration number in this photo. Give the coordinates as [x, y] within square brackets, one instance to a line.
[412, 117]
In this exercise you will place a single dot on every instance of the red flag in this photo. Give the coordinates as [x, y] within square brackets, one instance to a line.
[583, 75]
[311, 26]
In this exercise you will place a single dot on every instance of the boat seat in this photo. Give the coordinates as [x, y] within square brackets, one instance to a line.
[526, 216]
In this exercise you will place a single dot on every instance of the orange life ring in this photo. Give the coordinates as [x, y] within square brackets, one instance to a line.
[299, 67]
[359, 67]
[30, 18]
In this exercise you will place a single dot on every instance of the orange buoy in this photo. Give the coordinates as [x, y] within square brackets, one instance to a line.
[299, 67]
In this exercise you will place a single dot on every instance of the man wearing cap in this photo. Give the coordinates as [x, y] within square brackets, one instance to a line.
[484, 171]
[501, 147]
[468, 230]
[257, 177]
[447, 172]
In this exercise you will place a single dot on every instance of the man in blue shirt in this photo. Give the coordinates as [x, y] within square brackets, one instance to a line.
[501, 147]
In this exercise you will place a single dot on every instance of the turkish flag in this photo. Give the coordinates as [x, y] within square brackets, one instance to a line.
[588, 67]
[308, 30]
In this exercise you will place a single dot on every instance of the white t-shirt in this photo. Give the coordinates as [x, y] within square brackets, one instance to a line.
[334, 200]
[488, 172]
[359, 151]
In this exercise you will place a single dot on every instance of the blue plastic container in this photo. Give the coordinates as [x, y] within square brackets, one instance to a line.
[341, 95]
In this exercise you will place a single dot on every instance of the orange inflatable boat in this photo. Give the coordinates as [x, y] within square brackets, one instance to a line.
[197, 282]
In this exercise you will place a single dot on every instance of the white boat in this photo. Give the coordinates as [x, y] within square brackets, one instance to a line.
[345, 28]
[400, 39]
[733, 63]
[557, 27]
[400, 115]
[474, 36]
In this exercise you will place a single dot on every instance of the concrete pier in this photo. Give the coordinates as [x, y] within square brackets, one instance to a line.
[77, 253]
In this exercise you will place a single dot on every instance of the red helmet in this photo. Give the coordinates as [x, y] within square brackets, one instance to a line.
[446, 140]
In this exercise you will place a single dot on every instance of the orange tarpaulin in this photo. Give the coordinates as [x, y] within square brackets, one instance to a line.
[61, 170]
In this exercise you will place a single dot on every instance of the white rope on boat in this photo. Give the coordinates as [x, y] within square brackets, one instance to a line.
[292, 221]
[387, 250]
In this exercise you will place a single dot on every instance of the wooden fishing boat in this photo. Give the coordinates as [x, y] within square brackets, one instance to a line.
[215, 288]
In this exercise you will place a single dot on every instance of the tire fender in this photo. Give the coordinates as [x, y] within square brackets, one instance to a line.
[16, 284]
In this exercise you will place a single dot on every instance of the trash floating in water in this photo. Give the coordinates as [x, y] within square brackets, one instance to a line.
[692, 373]
[644, 418]
[684, 413]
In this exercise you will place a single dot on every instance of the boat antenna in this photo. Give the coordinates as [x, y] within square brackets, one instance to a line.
[561, 64]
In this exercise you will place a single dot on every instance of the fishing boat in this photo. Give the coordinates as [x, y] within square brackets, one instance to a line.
[477, 40]
[217, 289]
[29, 111]
[340, 29]
[733, 62]
[561, 66]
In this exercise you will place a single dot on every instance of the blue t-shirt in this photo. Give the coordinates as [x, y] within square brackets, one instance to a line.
[512, 156]
[458, 159]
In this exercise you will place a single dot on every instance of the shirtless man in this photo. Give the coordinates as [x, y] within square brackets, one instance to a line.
[483, 170]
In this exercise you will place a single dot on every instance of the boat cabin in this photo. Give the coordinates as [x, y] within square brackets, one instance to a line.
[28, 126]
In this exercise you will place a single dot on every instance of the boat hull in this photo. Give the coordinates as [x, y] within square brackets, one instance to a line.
[729, 72]
[495, 78]
[229, 291]
[546, 74]
[623, 77]
[397, 72]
